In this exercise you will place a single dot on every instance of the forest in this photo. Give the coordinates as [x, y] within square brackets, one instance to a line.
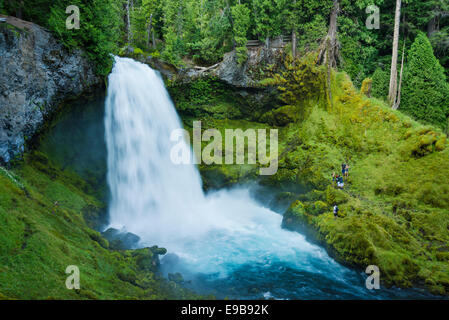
[184, 32]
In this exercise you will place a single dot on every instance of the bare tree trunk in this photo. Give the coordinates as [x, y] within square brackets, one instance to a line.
[294, 38]
[150, 25]
[398, 99]
[394, 58]
[294, 44]
[329, 48]
[128, 22]
[153, 39]
[19, 9]
[431, 26]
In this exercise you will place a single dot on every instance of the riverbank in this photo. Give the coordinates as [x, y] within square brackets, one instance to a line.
[46, 218]
[380, 223]
[393, 209]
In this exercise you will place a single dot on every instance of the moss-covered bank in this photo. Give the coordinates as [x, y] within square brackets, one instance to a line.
[394, 209]
[45, 219]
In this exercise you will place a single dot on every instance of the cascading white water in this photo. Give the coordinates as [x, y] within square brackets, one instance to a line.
[148, 191]
[164, 203]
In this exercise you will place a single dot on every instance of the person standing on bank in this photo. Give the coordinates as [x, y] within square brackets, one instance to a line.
[336, 211]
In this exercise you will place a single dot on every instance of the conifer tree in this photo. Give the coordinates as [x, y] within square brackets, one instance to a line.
[380, 83]
[240, 14]
[425, 90]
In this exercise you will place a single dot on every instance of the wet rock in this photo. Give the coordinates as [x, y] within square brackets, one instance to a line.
[244, 75]
[176, 277]
[36, 74]
[119, 240]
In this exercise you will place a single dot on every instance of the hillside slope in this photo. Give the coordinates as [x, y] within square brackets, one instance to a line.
[45, 216]
[394, 209]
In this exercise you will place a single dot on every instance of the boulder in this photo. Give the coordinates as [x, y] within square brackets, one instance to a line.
[120, 240]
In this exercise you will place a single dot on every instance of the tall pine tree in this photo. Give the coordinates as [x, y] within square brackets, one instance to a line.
[425, 93]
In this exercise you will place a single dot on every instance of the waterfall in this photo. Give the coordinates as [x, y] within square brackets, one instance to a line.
[218, 235]
[145, 185]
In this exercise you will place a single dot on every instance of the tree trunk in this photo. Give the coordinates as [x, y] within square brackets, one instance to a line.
[128, 22]
[294, 37]
[329, 48]
[431, 26]
[398, 99]
[394, 58]
[19, 9]
[293, 44]
[153, 39]
[150, 24]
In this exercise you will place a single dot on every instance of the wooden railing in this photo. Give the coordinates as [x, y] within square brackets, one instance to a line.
[253, 43]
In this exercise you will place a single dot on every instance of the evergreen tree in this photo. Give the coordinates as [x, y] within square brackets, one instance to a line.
[266, 19]
[240, 15]
[380, 83]
[425, 90]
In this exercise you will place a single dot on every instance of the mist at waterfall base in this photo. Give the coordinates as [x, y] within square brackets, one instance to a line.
[223, 243]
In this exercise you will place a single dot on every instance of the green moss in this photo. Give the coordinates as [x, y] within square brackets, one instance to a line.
[295, 218]
[40, 238]
[393, 209]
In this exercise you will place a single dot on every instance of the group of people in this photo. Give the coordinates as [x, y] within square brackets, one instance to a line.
[339, 178]
[340, 182]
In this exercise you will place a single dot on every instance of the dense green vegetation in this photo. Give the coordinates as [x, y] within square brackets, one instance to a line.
[394, 207]
[191, 31]
[426, 92]
[393, 210]
[41, 238]
[100, 24]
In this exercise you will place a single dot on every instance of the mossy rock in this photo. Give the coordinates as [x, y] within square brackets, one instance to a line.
[281, 116]
[295, 218]
[335, 196]
[318, 207]
[97, 237]
[176, 277]
[442, 256]
[94, 216]
[440, 145]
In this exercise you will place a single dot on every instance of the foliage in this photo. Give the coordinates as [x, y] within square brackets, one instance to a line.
[99, 26]
[425, 90]
[40, 239]
[381, 80]
[240, 14]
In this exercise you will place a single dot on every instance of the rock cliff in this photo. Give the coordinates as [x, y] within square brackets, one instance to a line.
[36, 74]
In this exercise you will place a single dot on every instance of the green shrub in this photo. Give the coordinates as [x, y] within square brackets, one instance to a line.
[318, 207]
[380, 84]
[335, 196]
[425, 94]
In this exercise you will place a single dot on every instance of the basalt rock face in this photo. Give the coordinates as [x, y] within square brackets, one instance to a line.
[246, 75]
[36, 74]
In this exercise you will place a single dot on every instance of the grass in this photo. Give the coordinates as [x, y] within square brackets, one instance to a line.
[40, 239]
